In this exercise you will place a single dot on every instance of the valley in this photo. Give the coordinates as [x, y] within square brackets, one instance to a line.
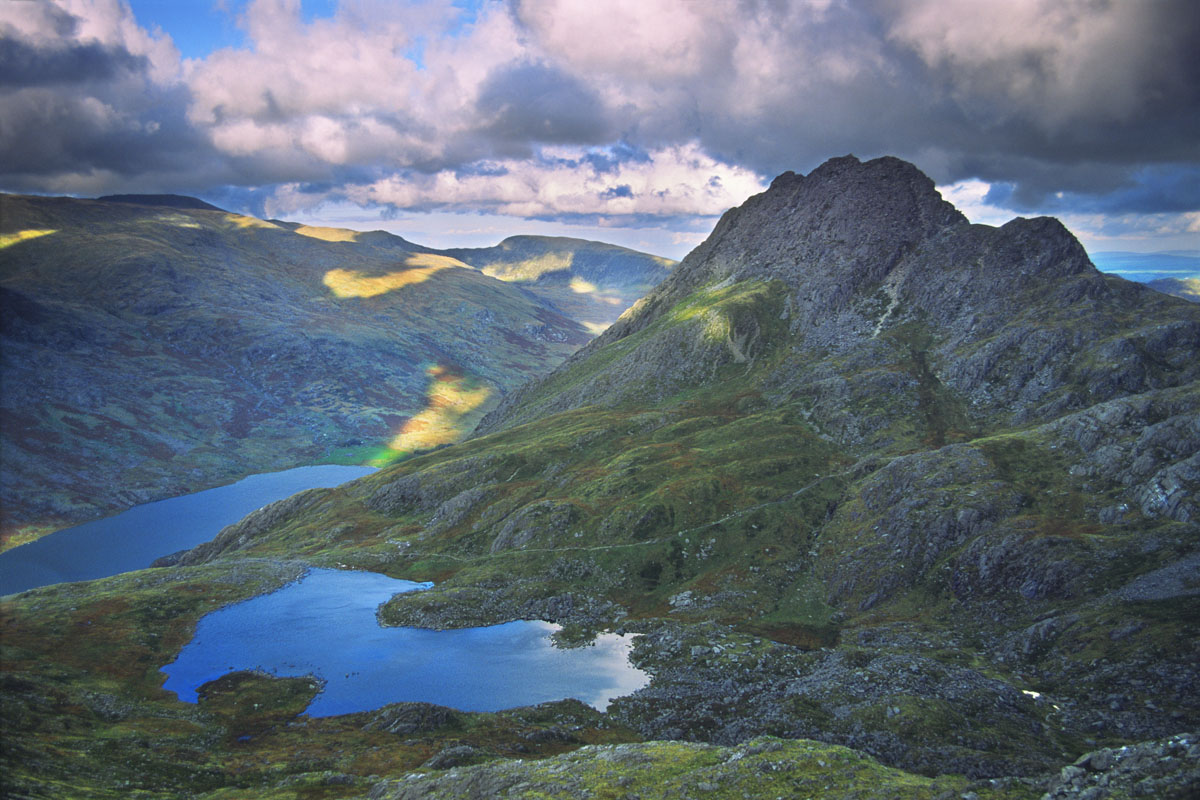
[156, 345]
[897, 505]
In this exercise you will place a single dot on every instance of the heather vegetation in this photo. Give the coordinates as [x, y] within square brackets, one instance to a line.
[901, 506]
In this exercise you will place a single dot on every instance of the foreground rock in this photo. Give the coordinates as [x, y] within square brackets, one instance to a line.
[862, 474]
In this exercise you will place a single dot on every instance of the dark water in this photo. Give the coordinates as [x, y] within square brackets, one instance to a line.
[325, 625]
[133, 539]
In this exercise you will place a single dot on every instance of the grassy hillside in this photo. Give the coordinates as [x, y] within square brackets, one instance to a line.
[587, 281]
[900, 505]
[152, 350]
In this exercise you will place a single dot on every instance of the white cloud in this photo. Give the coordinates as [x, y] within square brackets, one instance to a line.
[674, 181]
[348, 89]
[404, 102]
[110, 22]
[632, 39]
[1136, 232]
[969, 197]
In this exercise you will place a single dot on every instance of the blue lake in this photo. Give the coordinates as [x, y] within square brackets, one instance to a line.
[134, 538]
[325, 625]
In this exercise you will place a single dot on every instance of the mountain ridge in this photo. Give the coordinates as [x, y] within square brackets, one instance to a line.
[165, 200]
[108, 302]
[879, 226]
[950, 524]
[590, 281]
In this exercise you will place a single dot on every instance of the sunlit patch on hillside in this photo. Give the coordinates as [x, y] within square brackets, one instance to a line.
[530, 269]
[596, 328]
[328, 234]
[9, 239]
[418, 268]
[243, 222]
[453, 404]
[580, 286]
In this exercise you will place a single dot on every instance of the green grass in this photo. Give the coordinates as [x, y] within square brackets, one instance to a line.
[760, 768]
[728, 489]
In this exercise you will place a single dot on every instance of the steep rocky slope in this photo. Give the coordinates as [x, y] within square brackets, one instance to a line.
[155, 345]
[860, 472]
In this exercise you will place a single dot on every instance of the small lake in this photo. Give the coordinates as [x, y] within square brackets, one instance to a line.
[134, 538]
[325, 625]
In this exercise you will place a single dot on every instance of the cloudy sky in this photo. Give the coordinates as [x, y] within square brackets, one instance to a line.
[633, 121]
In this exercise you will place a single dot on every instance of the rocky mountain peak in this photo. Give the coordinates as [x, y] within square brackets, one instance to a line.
[851, 231]
[864, 268]
[846, 216]
[828, 235]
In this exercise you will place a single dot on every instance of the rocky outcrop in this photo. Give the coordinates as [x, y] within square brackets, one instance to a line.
[246, 531]
[871, 270]
[1167, 768]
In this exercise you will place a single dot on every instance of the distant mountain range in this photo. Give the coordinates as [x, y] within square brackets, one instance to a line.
[1173, 272]
[1181, 265]
[156, 345]
[1187, 288]
[587, 281]
[901, 506]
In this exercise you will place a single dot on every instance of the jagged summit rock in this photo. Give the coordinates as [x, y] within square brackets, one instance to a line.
[847, 219]
[860, 472]
[853, 227]
[870, 265]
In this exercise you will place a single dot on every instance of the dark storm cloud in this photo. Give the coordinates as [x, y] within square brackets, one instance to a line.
[81, 115]
[1112, 126]
[1147, 190]
[1071, 97]
[126, 129]
[533, 103]
[22, 64]
[1061, 105]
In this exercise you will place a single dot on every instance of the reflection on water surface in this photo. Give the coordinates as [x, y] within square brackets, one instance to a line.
[325, 625]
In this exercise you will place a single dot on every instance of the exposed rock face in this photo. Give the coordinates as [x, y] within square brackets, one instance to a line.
[859, 472]
[1167, 769]
[1014, 320]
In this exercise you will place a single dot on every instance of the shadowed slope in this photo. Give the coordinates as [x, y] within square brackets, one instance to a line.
[154, 349]
[849, 416]
[859, 471]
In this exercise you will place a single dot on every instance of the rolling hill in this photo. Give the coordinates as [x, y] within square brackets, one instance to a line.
[156, 345]
[587, 281]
